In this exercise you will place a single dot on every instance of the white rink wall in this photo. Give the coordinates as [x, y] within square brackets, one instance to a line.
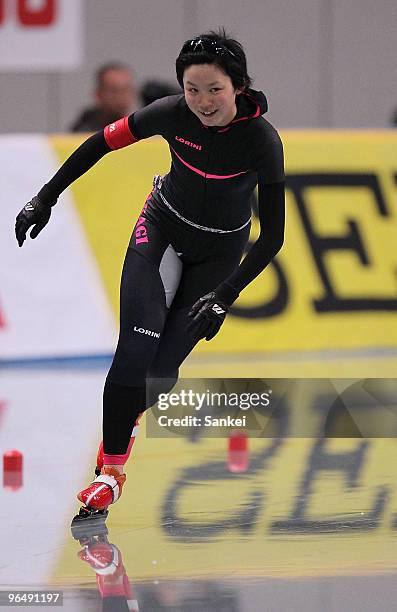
[52, 300]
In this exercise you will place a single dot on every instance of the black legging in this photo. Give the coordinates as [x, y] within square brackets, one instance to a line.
[167, 267]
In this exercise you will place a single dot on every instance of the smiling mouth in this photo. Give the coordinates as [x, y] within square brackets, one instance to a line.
[210, 114]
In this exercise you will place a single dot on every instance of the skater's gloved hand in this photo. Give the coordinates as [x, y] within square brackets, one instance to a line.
[34, 213]
[207, 316]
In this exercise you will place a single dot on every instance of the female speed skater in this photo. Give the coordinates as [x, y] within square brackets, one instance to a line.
[183, 268]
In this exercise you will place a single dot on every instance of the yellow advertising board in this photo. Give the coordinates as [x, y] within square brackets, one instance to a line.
[332, 286]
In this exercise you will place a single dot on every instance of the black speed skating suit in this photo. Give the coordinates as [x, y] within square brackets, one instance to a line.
[189, 237]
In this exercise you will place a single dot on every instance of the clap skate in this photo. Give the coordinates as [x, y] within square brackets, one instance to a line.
[103, 491]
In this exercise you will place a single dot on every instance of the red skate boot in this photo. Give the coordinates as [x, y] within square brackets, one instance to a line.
[104, 490]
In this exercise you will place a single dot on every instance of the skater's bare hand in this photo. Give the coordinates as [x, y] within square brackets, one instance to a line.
[34, 213]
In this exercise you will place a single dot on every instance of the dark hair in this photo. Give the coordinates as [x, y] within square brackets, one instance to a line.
[228, 54]
[102, 70]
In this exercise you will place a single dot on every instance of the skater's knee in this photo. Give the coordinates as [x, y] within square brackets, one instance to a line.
[159, 382]
[127, 370]
[133, 356]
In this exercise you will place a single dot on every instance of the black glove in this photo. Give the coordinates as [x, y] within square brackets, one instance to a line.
[207, 315]
[33, 213]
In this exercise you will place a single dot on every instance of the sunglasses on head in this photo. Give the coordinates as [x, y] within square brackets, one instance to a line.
[205, 45]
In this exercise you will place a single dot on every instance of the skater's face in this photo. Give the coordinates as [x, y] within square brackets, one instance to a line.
[210, 94]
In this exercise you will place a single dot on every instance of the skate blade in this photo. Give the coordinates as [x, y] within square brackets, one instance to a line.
[88, 523]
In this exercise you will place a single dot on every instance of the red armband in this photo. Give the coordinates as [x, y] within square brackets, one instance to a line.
[118, 134]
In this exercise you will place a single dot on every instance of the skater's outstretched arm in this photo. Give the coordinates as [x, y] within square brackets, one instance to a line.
[37, 212]
[141, 124]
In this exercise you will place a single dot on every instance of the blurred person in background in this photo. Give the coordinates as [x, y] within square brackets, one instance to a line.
[153, 90]
[115, 97]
